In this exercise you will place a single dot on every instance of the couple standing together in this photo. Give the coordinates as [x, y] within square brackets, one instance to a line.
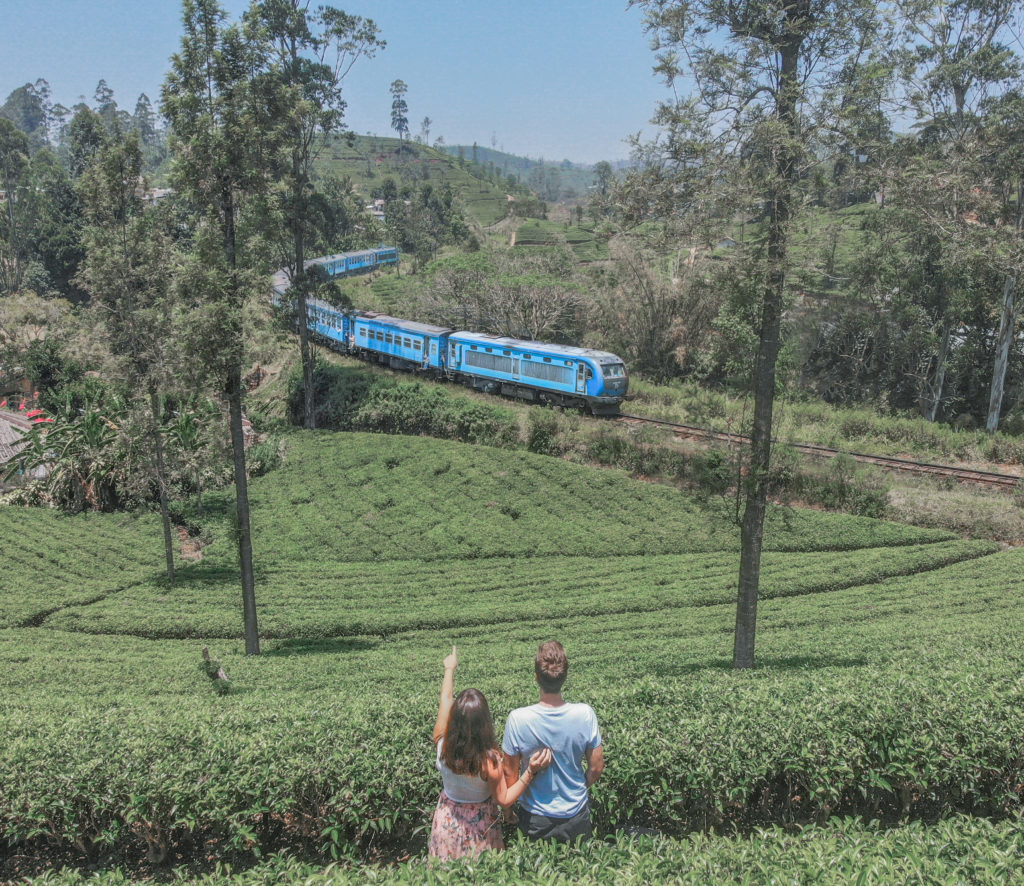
[541, 763]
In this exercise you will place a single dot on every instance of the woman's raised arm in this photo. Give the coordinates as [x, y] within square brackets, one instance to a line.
[444, 710]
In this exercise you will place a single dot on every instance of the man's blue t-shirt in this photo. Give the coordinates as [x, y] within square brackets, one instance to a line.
[560, 791]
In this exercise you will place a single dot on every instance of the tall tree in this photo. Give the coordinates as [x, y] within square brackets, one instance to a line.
[399, 108]
[14, 211]
[28, 108]
[85, 137]
[771, 83]
[959, 56]
[312, 54]
[215, 97]
[1006, 118]
[126, 271]
[144, 120]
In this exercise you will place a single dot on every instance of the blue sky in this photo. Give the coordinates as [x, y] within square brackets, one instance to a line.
[551, 78]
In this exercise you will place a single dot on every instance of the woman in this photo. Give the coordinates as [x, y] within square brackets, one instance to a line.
[466, 819]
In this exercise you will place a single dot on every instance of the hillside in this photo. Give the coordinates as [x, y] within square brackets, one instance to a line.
[576, 178]
[369, 160]
[889, 665]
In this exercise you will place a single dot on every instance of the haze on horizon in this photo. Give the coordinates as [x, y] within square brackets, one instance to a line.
[560, 81]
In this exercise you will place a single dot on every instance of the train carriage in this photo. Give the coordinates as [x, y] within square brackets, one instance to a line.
[342, 264]
[329, 323]
[535, 371]
[401, 344]
[545, 373]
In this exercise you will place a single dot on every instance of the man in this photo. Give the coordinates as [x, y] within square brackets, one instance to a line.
[556, 805]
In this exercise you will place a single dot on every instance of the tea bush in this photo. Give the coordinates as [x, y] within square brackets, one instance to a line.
[889, 683]
[959, 850]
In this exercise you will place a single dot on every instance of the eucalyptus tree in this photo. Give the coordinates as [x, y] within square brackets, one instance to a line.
[126, 270]
[1006, 119]
[217, 99]
[767, 89]
[14, 220]
[311, 54]
[399, 109]
[959, 57]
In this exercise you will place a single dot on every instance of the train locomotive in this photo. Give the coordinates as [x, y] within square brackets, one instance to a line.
[563, 375]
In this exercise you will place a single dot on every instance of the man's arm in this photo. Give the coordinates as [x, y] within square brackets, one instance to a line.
[595, 764]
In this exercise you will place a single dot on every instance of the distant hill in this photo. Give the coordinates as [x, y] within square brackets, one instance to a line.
[368, 160]
[554, 181]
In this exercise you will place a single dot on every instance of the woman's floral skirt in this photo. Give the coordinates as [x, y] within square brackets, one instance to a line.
[461, 829]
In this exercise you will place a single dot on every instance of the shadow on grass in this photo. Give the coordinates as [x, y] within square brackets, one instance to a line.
[193, 574]
[761, 663]
[807, 662]
[320, 646]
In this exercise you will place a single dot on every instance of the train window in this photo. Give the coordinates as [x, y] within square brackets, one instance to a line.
[406, 343]
[490, 361]
[548, 372]
[547, 359]
[418, 345]
[387, 338]
[590, 373]
[507, 353]
[380, 335]
[568, 362]
[526, 356]
[472, 347]
[488, 350]
[362, 332]
[613, 370]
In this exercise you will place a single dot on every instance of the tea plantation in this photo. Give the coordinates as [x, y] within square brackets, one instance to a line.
[883, 731]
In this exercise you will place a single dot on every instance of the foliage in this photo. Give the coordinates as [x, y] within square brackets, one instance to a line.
[959, 849]
[378, 551]
[532, 295]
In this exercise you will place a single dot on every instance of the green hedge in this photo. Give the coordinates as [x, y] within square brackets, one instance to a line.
[960, 850]
[348, 775]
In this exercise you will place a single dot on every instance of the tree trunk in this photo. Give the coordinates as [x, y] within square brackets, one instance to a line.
[299, 240]
[234, 392]
[1007, 325]
[161, 479]
[780, 210]
[233, 389]
[931, 409]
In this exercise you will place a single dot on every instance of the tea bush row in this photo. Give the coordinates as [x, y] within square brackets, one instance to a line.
[959, 850]
[51, 560]
[711, 754]
[902, 699]
[367, 497]
[329, 599]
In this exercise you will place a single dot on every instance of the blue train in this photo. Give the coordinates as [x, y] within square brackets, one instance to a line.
[330, 266]
[596, 381]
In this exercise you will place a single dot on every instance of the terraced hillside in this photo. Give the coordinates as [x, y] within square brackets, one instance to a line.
[889, 683]
[368, 160]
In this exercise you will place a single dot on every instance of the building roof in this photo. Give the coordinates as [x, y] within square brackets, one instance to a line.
[12, 428]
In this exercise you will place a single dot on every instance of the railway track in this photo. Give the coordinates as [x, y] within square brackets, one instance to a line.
[1007, 482]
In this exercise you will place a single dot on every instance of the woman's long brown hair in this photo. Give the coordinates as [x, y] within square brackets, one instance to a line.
[470, 735]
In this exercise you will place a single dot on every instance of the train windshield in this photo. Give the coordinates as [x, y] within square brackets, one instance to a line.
[613, 370]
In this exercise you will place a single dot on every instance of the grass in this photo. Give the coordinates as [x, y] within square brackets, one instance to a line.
[813, 421]
[581, 239]
[888, 683]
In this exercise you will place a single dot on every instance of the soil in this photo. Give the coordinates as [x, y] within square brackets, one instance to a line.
[189, 546]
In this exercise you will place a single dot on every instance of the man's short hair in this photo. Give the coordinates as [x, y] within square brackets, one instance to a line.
[551, 666]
